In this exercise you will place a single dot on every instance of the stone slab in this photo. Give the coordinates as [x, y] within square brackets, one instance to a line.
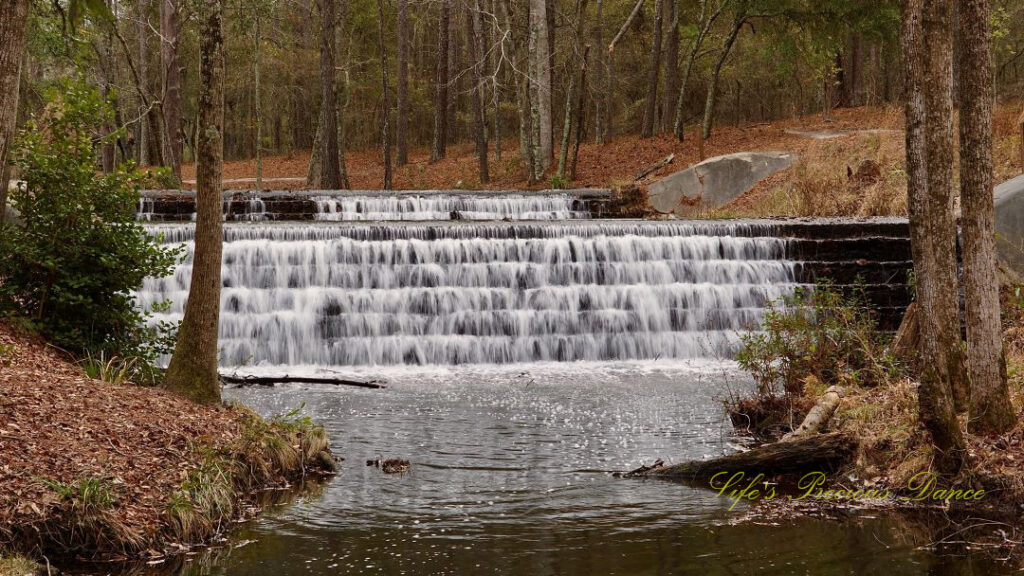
[715, 181]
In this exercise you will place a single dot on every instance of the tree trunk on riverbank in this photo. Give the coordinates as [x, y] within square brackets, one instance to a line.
[12, 38]
[990, 407]
[193, 369]
[931, 218]
[651, 103]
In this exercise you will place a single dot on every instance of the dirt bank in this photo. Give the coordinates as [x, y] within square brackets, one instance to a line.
[93, 470]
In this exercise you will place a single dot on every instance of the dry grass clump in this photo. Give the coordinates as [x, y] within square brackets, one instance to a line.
[853, 175]
[267, 454]
[18, 566]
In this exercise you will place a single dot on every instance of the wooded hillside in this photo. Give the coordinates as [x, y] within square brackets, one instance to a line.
[522, 79]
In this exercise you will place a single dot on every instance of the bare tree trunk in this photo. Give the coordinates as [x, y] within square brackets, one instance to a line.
[496, 66]
[171, 101]
[990, 407]
[385, 101]
[938, 101]
[13, 16]
[704, 23]
[259, 107]
[709, 103]
[341, 78]
[141, 30]
[936, 407]
[454, 76]
[402, 121]
[600, 93]
[541, 83]
[475, 40]
[580, 99]
[193, 369]
[669, 101]
[330, 175]
[653, 71]
[437, 151]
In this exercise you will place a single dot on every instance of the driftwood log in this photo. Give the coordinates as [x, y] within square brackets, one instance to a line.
[286, 379]
[818, 417]
[819, 453]
[655, 167]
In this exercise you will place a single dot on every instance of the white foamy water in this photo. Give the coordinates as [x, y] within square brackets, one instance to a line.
[450, 207]
[357, 295]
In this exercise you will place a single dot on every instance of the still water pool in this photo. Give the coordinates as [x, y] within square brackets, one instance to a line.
[511, 475]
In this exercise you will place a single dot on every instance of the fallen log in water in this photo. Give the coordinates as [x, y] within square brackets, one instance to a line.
[286, 379]
[818, 453]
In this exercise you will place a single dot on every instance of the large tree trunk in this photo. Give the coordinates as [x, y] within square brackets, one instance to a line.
[193, 368]
[171, 101]
[437, 150]
[653, 71]
[402, 121]
[671, 92]
[938, 101]
[341, 78]
[937, 410]
[258, 106]
[13, 15]
[475, 40]
[385, 101]
[990, 407]
[540, 95]
[330, 175]
[709, 103]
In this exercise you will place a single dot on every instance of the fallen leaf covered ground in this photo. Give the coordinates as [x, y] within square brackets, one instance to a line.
[58, 425]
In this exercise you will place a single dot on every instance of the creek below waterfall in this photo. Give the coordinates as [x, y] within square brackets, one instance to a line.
[510, 475]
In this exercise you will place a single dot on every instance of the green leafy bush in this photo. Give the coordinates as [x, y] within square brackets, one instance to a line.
[817, 332]
[73, 264]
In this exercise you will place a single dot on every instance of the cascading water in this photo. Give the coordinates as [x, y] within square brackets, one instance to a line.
[362, 294]
[450, 207]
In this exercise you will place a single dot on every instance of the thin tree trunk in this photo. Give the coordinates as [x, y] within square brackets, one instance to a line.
[563, 150]
[668, 106]
[385, 101]
[13, 16]
[475, 40]
[402, 121]
[704, 23]
[935, 401]
[541, 79]
[990, 407]
[171, 101]
[600, 93]
[259, 107]
[580, 99]
[437, 150]
[709, 103]
[330, 175]
[193, 368]
[454, 76]
[343, 95]
[141, 30]
[653, 71]
[495, 62]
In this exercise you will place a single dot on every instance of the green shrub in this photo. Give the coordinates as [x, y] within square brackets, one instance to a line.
[73, 265]
[558, 183]
[817, 332]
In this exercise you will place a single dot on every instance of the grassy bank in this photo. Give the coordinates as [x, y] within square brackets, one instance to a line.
[800, 356]
[99, 471]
